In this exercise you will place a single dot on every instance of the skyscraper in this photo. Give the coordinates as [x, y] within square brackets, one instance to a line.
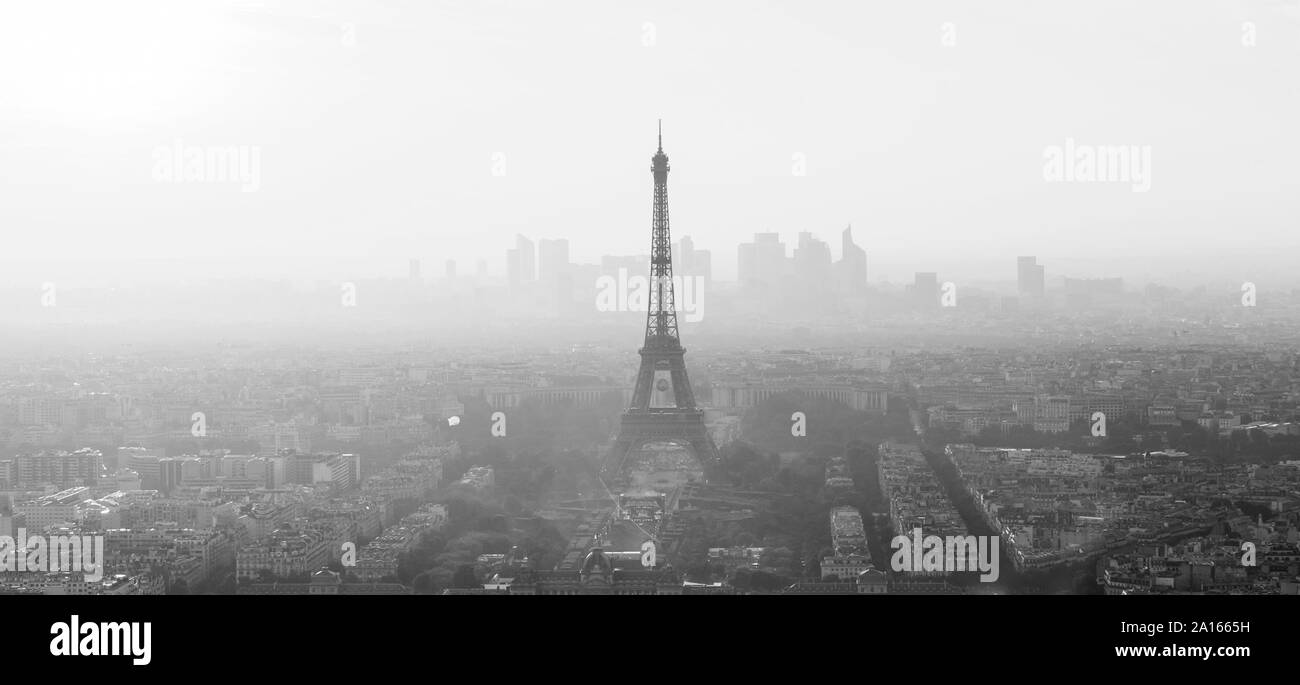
[552, 259]
[812, 261]
[763, 261]
[851, 270]
[684, 255]
[702, 265]
[527, 259]
[521, 262]
[1030, 280]
[689, 261]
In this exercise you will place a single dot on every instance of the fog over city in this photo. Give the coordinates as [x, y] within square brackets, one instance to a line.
[438, 130]
[403, 297]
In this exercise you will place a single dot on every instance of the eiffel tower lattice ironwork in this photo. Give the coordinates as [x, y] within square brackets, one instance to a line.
[663, 404]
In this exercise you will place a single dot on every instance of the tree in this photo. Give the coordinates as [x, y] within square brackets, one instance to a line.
[698, 573]
[424, 585]
[465, 577]
[767, 582]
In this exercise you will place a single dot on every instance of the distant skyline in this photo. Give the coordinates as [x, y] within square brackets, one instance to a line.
[1224, 267]
[440, 130]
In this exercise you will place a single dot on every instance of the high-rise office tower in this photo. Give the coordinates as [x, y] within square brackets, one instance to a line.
[746, 263]
[812, 261]
[527, 259]
[1030, 280]
[689, 261]
[763, 261]
[512, 266]
[703, 264]
[552, 259]
[683, 255]
[851, 270]
[521, 261]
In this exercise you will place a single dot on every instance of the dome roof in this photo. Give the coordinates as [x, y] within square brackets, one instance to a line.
[871, 575]
[325, 575]
[597, 562]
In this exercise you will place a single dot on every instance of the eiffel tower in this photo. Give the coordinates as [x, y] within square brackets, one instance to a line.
[663, 405]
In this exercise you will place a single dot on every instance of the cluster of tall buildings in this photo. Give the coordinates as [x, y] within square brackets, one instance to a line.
[765, 263]
[1031, 286]
[542, 278]
[548, 262]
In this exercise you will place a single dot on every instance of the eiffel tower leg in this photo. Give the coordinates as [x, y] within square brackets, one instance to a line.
[681, 383]
[645, 378]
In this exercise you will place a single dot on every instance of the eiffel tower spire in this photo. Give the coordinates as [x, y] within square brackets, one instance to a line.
[661, 318]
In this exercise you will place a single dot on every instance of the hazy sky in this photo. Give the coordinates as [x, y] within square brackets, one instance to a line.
[379, 125]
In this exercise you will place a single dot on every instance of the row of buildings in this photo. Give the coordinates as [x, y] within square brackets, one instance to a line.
[1047, 505]
[1211, 564]
[1218, 389]
[206, 532]
[1054, 506]
[916, 500]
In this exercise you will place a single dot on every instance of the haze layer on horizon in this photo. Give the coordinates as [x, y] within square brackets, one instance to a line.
[387, 131]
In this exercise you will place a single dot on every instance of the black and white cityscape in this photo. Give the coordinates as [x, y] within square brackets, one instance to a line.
[545, 432]
[391, 298]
